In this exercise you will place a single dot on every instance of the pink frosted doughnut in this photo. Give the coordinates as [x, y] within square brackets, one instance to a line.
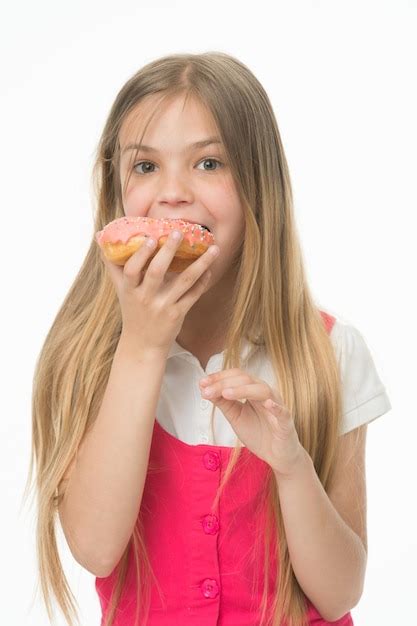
[120, 238]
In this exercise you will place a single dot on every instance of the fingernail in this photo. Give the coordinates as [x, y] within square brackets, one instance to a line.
[150, 242]
[176, 234]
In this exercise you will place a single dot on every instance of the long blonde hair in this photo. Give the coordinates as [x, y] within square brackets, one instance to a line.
[271, 305]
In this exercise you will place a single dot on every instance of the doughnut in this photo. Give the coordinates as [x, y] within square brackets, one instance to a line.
[120, 238]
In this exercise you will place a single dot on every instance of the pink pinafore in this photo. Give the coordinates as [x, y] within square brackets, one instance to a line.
[203, 560]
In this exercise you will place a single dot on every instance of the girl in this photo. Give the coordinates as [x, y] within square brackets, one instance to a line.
[258, 514]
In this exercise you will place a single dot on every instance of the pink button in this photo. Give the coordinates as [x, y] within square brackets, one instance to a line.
[211, 461]
[209, 588]
[211, 524]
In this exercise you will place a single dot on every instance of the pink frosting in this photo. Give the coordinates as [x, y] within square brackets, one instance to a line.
[123, 228]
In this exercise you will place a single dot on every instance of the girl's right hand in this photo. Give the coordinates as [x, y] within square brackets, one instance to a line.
[153, 308]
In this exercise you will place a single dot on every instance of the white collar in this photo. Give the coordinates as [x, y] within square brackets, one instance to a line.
[248, 349]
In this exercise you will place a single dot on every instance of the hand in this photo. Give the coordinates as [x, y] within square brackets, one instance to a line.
[153, 306]
[258, 416]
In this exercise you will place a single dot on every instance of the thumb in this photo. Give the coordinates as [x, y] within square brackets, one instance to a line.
[231, 409]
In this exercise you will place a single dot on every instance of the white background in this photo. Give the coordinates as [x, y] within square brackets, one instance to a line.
[341, 77]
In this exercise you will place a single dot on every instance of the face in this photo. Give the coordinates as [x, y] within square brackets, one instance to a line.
[176, 180]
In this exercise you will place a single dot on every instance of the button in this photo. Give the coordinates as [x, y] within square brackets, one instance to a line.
[204, 404]
[210, 588]
[211, 524]
[203, 437]
[211, 461]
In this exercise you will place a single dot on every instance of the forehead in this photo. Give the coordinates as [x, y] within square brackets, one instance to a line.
[193, 116]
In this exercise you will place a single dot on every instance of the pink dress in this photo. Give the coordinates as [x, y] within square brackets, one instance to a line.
[203, 560]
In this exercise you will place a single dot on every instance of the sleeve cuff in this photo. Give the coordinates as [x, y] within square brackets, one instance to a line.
[366, 412]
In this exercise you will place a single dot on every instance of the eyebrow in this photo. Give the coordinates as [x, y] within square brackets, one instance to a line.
[191, 146]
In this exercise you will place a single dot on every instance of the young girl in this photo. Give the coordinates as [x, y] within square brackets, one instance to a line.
[255, 514]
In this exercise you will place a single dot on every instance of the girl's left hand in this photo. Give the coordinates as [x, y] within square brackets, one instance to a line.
[258, 416]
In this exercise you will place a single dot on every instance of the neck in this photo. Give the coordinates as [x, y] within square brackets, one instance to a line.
[206, 322]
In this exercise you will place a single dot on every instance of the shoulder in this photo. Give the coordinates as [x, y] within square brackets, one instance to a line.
[352, 350]
[364, 394]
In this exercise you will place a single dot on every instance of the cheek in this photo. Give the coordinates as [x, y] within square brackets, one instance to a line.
[229, 244]
[220, 201]
[135, 201]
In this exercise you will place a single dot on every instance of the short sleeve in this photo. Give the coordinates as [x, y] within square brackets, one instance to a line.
[364, 394]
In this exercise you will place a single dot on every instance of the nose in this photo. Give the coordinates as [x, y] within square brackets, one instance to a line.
[174, 189]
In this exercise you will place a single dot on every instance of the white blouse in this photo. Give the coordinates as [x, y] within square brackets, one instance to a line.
[185, 414]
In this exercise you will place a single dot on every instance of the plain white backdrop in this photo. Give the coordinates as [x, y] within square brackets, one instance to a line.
[341, 77]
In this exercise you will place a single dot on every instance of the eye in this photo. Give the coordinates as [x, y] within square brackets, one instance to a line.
[141, 163]
[206, 160]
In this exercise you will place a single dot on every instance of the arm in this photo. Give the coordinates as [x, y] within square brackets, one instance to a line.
[328, 557]
[104, 491]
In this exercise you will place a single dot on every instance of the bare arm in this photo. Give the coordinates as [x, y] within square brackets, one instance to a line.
[105, 487]
[328, 557]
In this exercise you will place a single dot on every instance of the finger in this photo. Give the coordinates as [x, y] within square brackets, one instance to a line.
[238, 389]
[137, 263]
[215, 388]
[270, 405]
[190, 277]
[278, 411]
[258, 392]
[216, 376]
[192, 295]
[167, 249]
[130, 271]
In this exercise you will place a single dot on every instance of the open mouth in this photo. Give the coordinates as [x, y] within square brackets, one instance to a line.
[197, 223]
